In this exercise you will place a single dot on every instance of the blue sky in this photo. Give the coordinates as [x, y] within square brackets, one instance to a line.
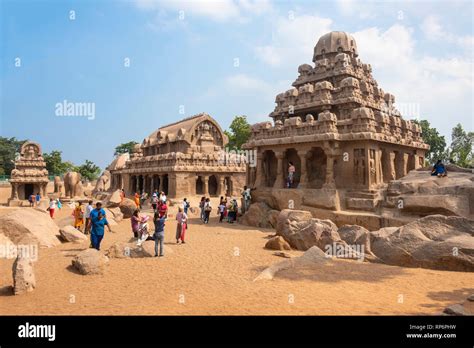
[226, 58]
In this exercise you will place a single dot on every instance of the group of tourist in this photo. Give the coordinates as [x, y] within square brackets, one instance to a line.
[34, 199]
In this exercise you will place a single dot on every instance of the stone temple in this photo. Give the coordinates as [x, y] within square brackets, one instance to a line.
[340, 130]
[30, 175]
[182, 159]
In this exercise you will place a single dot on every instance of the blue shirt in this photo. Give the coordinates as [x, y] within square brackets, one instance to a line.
[97, 226]
[160, 225]
[38, 198]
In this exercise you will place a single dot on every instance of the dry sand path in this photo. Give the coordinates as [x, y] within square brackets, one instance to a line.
[213, 274]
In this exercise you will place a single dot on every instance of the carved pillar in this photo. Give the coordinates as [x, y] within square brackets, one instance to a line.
[43, 189]
[152, 184]
[260, 175]
[15, 191]
[303, 154]
[330, 183]
[137, 185]
[280, 179]
[221, 191]
[205, 179]
[161, 183]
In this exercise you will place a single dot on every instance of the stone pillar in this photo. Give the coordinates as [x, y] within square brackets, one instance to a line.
[162, 177]
[15, 191]
[280, 179]
[303, 154]
[137, 183]
[259, 175]
[205, 179]
[221, 190]
[330, 183]
[43, 189]
[152, 184]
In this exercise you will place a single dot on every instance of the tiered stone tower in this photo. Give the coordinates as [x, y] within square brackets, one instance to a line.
[339, 128]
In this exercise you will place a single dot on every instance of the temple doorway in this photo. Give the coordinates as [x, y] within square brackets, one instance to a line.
[29, 190]
[199, 186]
[269, 169]
[212, 185]
[291, 155]
[165, 184]
[316, 170]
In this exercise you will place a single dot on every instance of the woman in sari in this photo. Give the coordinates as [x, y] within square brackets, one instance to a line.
[78, 216]
[137, 200]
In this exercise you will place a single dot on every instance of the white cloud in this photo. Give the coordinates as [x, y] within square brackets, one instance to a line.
[217, 10]
[293, 40]
[434, 31]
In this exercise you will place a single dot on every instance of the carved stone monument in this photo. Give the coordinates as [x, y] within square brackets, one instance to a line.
[30, 175]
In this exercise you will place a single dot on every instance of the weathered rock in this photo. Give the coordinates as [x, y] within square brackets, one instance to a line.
[355, 235]
[71, 234]
[277, 243]
[456, 309]
[65, 221]
[435, 241]
[272, 217]
[23, 276]
[132, 250]
[115, 199]
[283, 254]
[303, 233]
[29, 226]
[116, 214]
[289, 215]
[43, 205]
[312, 257]
[127, 207]
[90, 261]
[256, 215]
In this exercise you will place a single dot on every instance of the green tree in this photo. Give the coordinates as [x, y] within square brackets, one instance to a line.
[89, 170]
[125, 147]
[460, 151]
[239, 132]
[436, 141]
[8, 148]
[55, 164]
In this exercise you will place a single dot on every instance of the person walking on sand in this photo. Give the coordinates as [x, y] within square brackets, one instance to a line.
[201, 207]
[89, 209]
[247, 198]
[186, 206]
[163, 197]
[52, 207]
[221, 210]
[159, 235]
[182, 219]
[98, 223]
[154, 201]
[78, 216]
[162, 209]
[38, 198]
[137, 200]
[31, 199]
[207, 210]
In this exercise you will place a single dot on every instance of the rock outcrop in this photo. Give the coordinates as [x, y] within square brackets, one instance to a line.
[259, 215]
[435, 241]
[127, 207]
[29, 226]
[71, 234]
[277, 243]
[23, 276]
[302, 231]
[132, 250]
[355, 235]
[90, 261]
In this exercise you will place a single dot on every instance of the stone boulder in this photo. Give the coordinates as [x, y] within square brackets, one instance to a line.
[116, 214]
[127, 207]
[115, 199]
[43, 205]
[71, 234]
[90, 261]
[313, 257]
[302, 231]
[257, 216]
[277, 243]
[435, 242]
[65, 221]
[132, 250]
[355, 235]
[29, 226]
[272, 217]
[23, 276]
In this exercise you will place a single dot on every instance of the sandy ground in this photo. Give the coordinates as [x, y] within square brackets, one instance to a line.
[213, 274]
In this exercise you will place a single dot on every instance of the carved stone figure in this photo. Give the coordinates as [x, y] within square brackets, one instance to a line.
[73, 184]
[58, 185]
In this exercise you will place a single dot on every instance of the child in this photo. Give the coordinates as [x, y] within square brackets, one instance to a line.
[221, 210]
[159, 235]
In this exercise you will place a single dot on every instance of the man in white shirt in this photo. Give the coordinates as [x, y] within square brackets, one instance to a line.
[89, 209]
[163, 197]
